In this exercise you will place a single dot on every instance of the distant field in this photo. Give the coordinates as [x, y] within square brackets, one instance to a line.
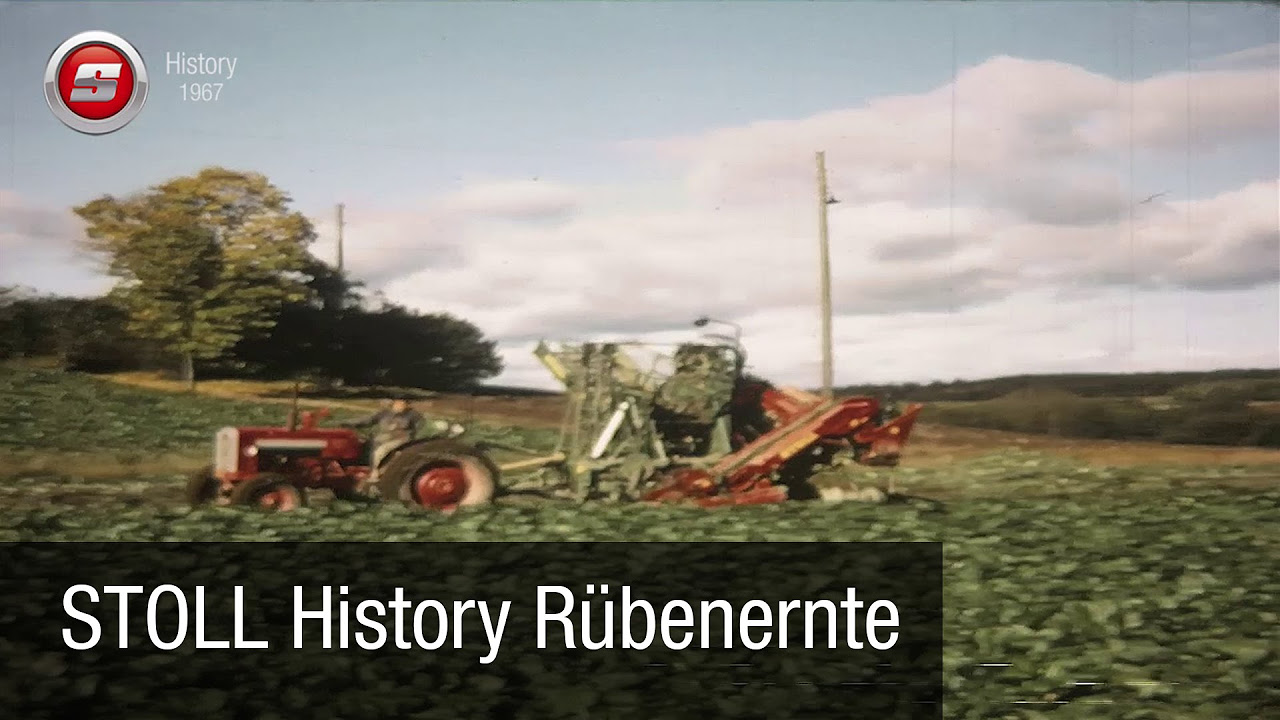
[527, 408]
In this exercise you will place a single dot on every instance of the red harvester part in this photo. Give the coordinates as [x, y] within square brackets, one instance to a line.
[803, 423]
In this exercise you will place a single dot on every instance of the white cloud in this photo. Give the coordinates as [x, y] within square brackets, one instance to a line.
[521, 200]
[1041, 222]
[381, 245]
[39, 248]
[1262, 56]
[1016, 121]
[989, 300]
[24, 224]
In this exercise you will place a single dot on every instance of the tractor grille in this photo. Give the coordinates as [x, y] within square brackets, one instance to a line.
[226, 450]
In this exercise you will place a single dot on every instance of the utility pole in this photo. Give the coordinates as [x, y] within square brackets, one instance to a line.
[824, 270]
[334, 306]
[340, 224]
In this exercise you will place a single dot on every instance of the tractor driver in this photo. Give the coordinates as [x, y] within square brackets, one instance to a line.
[396, 424]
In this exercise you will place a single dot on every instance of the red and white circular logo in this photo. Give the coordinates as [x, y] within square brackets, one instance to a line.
[95, 83]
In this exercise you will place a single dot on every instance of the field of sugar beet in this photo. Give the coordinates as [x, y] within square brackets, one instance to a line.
[1110, 580]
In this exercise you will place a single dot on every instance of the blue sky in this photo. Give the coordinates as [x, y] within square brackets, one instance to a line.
[390, 107]
[414, 97]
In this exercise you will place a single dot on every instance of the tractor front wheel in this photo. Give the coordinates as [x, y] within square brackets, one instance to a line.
[269, 492]
[439, 476]
[202, 487]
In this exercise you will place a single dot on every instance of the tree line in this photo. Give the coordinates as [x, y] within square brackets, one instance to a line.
[214, 278]
[1262, 384]
[1221, 407]
[1217, 416]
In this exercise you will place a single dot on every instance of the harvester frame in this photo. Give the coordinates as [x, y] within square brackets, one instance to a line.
[759, 443]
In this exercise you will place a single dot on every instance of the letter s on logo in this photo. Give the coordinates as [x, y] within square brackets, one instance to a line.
[95, 82]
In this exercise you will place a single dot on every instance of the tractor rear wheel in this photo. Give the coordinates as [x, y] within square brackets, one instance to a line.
[202, 487]
[439, 475]
[272, 493]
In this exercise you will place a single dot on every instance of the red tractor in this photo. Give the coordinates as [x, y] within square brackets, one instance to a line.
[274, 468]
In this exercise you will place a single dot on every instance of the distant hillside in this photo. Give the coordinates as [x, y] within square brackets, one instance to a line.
[1259, 384]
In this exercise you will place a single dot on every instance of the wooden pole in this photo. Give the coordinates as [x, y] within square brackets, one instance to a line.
[339, 298]
[824, 270]
[340, 224]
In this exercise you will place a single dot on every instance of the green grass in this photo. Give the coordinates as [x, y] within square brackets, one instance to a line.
[1158, 582]
[51, 411]
[1122, 588]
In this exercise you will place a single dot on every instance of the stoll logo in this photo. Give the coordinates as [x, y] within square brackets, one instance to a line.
[95, 83]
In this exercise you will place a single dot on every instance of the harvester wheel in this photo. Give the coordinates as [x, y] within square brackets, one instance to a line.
[798, 474]
[269, 492]
[202, 487]
[439, 475]
[801, 488]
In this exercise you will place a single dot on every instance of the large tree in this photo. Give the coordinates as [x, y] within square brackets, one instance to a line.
[306, 341]
[203, 261]
[393, 345]
[368, 344]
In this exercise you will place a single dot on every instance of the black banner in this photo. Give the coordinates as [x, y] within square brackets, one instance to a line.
[471, 630]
